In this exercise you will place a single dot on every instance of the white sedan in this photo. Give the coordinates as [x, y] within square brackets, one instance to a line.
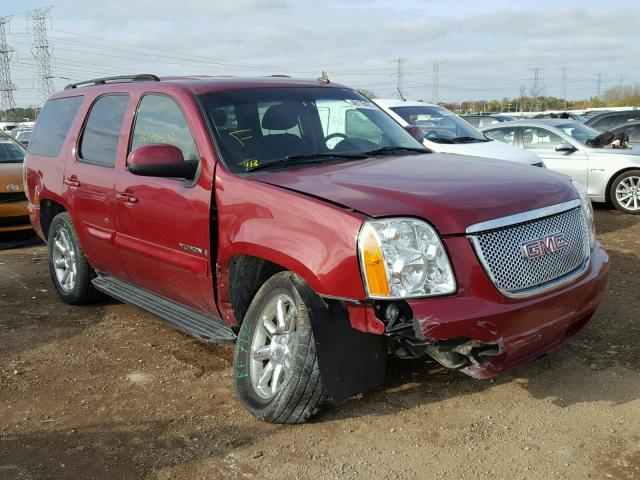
[446, 132]
[609, 175]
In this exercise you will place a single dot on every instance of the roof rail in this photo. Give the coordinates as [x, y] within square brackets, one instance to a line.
[142, 77]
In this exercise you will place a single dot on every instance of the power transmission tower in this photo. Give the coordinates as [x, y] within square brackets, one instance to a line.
[7, 102]
[400, 77]
[563, 88]
[535, 90]
[42, 53]
[599, 77]
[436, 82]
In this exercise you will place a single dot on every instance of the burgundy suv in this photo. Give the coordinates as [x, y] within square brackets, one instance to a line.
[298, 220]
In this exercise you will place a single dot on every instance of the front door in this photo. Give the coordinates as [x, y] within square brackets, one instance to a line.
[163, 224]
[544, 142]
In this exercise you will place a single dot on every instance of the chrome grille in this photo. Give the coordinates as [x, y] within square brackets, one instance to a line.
[502, 253]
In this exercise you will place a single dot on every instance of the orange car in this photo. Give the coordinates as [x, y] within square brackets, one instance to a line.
[13, 203]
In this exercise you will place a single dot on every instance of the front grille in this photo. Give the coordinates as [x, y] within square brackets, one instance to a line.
[14, 221]
[502, 252]
[12, 197]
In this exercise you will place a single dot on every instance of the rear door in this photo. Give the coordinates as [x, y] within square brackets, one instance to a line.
[543, 142]
[164, 224]
[89, 180]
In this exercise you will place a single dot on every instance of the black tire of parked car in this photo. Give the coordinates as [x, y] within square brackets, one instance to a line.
[83, 291]
[302, 391]
[614, 186]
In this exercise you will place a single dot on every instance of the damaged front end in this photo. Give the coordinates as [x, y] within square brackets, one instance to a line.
[405, 339]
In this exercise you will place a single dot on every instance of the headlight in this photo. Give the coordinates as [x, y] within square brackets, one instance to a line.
[587, 209]
[402, 258]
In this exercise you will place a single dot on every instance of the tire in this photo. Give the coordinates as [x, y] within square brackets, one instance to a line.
[77, 289]
[300, 391]
[627, 183]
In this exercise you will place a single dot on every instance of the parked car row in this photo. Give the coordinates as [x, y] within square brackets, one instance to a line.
[301, 222]
[13, 202]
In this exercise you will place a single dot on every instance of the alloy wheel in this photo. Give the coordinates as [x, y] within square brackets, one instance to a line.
[64, 260]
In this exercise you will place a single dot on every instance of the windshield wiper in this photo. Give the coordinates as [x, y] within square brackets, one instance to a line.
[392, 149]
[307, 159]
[468, 140]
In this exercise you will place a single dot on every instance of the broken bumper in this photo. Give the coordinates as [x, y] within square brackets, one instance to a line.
[522, 329]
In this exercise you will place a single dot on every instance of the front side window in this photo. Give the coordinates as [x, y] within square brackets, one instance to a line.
[440, 125]
[99, 141]
[535, 138]
[160, 120]
[53, 124]
[506, 135]
[267, 126]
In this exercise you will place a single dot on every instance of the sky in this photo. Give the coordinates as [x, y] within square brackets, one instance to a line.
[485, 49]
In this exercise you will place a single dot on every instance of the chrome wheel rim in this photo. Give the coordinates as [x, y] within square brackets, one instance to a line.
[628, 193]
[272, 346]
[64, 260]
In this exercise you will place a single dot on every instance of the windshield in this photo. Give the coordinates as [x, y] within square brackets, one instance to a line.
[10, 151]
[439, 125]
[580, 132]
[265, 127]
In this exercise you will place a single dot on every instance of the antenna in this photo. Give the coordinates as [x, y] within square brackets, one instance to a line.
[7, 102]
[401, 96]
[324, 78]
[42, 53]
[400, 77]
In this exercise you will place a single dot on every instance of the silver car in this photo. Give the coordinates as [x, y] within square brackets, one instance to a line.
[607, 174]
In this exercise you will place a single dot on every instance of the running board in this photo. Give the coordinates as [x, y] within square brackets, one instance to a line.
[185, 319]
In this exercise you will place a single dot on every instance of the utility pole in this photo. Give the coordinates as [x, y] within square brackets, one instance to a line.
[42, 53]
[435, 93]
[7, 102]
[400, 77]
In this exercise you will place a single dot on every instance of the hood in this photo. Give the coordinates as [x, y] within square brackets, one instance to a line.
[633, 152]
[493, 149]
[452, 192]
[11, 174]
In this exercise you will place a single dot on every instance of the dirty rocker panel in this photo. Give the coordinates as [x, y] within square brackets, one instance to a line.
[185, 319]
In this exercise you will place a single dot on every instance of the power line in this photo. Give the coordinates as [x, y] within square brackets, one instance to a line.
[42, 53]
[400, 76]
[7, 101]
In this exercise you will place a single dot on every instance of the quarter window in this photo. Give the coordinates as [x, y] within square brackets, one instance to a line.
[160, 120]
[53, 124]
[99, 142]
[540, 139]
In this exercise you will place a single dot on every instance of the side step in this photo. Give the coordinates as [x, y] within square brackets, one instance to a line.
[185, 319]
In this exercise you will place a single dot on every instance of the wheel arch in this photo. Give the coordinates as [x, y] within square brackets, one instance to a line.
[607, 192]
[48, 210]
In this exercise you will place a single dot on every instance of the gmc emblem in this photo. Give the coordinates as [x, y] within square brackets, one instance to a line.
[543, 246]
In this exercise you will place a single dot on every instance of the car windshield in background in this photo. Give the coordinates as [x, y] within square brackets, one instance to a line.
[271, 127]
[580, 132]
[439, 125]
[10, 151]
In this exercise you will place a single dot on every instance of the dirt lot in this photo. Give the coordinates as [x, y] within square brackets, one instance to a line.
[109, 392]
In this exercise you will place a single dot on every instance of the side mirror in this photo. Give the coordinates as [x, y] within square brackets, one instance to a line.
[161, 160]
[565, 148]
[416, 132]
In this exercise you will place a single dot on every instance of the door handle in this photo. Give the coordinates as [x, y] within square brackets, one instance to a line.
[71, 181]
[126, 197]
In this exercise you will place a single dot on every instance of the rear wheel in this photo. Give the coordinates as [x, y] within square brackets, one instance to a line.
[625, 192]
[276, 369]
[70, 272]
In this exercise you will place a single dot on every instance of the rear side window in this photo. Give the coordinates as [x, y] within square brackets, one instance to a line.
[53, 124]
[160, 120]
[99, 143]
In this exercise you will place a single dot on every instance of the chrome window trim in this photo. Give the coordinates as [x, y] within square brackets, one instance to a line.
[512, 220]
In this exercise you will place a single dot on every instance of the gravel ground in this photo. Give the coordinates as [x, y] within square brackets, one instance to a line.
[109, 392]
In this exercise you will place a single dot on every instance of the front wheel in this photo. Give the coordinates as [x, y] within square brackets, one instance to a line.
[625, 192]
[276, 369]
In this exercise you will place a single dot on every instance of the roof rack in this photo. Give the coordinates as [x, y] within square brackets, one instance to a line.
[142, 77]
